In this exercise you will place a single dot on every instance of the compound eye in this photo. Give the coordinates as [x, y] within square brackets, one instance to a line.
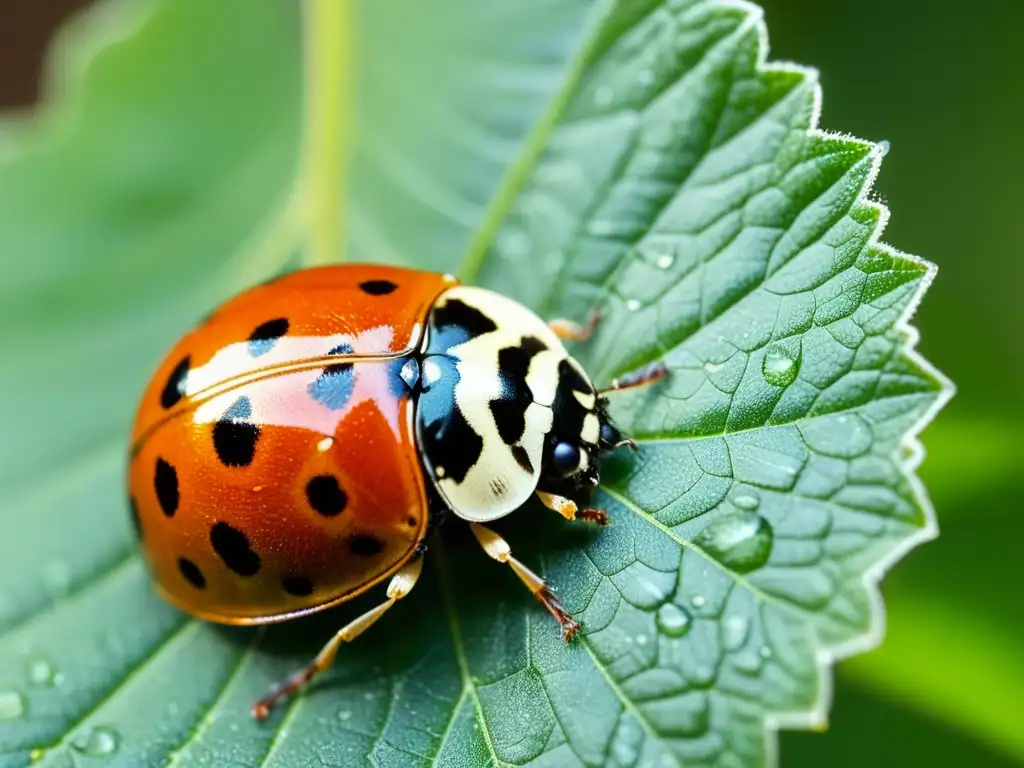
[610, 435]
[567, 458]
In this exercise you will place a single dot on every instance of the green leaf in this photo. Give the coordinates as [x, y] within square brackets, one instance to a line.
[637, 157]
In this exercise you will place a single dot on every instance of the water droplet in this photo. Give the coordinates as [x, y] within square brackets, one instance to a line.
[41, 673]
[698, 601]
[883, 147]
[234, 728]
[780, 366]
[645, 77]
[734, 632]
[713, 367]
[746, 498]
[673, 620]
[766, 652]
[98, 741]
[665, 260]
[741, 542]
[641, 639]
[12, 705]
[344, 714]
[633, 305]
[603, 96]
[748, 662]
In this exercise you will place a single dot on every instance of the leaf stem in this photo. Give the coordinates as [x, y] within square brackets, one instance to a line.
[329, 37]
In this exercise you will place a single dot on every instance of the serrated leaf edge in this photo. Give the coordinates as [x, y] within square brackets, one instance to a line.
[913, 452]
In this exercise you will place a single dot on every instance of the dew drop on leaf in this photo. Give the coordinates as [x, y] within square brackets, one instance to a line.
[734, 632]
[673, 620]
[665, 261]
[698, 601]
[747, 499]
[748, 662]
[344, 714]
[633, 305]
[780, 366]
[41, 673]
[98, 741]
[12, 705]
[713, 367]
[741, 542]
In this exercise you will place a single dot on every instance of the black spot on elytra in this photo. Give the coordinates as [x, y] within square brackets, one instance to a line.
[233, 548]
[509, 411]
[325, 495]
[234, 436]
[174, 389]
[364, 545]
[377, 287]
[263, 338]
[335, 384]
[191, 573]
[165, 480]
[133, 507]
[522, 459]
[299, 586]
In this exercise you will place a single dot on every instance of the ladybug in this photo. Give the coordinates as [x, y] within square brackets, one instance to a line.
[294, 449]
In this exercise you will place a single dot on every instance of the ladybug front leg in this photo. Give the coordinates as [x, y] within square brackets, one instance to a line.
[641, 377]
[498, 548]
[568, 330]
[401, 584]
[568, 509]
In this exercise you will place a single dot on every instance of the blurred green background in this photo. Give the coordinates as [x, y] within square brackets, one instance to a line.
[942, 82]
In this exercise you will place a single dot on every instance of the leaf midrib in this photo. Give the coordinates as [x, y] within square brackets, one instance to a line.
[518, 172]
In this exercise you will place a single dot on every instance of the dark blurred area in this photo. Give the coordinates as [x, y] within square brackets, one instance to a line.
[25, 29]
[943, 83]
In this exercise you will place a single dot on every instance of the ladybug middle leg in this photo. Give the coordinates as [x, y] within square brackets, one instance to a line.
[498, 548]
[401, 584]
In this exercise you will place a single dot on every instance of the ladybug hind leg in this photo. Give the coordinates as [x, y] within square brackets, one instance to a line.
[568, 330]
[401, 584]
[497, 548]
